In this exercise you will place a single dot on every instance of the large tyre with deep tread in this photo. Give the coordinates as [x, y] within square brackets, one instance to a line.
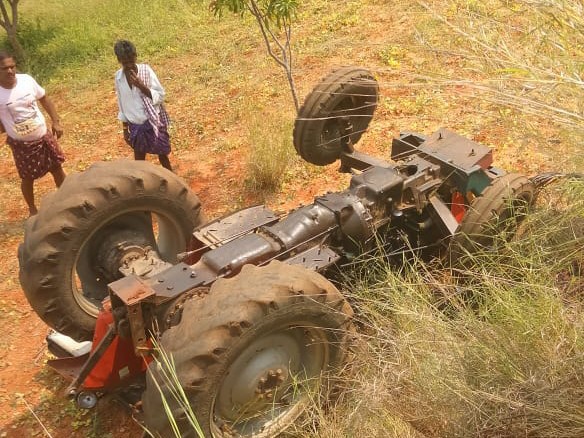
[348, 95]
[497, 210]
[58, 270]
[250, 353]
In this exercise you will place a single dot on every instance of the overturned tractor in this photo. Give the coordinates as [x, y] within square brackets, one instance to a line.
[121, 255]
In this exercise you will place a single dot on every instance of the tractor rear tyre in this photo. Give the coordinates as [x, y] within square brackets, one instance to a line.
[339, 108]
[251, 353]
[495, 213]
[73, 246]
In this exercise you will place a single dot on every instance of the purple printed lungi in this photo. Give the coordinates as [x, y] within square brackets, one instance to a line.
[143, 139]
[35, 159]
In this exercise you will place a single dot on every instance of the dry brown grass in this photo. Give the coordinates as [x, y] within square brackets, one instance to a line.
[505, 73]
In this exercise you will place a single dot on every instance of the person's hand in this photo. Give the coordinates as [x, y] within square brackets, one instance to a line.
[126, 131]
[135, 80]
[57, 130]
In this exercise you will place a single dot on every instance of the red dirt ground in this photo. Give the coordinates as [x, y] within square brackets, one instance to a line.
[31, 395]
[28, 389]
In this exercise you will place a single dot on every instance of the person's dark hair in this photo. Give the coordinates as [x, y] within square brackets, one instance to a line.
[4, 54]
[124, 49]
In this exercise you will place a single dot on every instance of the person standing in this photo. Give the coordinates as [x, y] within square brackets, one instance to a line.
[140, 101]
[34, 147]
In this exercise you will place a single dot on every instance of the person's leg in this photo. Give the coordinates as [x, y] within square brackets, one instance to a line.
[165, 161]
[27, 187]
[141, 156]
[58, 175]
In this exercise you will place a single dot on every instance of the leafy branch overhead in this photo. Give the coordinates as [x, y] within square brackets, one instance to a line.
[274, 18]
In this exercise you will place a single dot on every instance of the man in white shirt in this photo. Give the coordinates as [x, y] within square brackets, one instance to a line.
[140, 101]
[34, 147]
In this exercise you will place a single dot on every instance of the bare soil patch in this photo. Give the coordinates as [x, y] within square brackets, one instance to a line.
[210, 153]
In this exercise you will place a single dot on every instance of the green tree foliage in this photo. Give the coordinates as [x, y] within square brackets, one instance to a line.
[274, 18]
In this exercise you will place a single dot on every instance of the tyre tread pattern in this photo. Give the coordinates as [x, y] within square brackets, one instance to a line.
[53, 237]
[323, 101]
[213, 325]
[486, 214]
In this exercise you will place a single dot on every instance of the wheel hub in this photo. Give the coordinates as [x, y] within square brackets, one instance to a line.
[270, 383]
[118, 250]
[259, 378]
[266, 383]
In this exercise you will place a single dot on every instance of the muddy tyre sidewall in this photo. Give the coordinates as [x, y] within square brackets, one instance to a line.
[214, 342]
[61, 234]
[500, 208]
[347, 91]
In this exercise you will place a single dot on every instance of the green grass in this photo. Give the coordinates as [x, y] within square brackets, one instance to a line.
[171, 392]
[72, 42]
[507, 363]
[271, 153]
[430, 362]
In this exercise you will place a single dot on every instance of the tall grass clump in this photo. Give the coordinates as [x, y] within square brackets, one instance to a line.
[497, 353]
[174, 399]
[271, 152]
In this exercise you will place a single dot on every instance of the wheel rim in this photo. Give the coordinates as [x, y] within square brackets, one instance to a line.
[137, 227]
[269, 383]
[330, 138]
[513, 214]
[336, 131]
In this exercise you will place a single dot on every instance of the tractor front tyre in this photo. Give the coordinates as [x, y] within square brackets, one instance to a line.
[492, 216]
[336, 112]
[96, 221]
[250, 355]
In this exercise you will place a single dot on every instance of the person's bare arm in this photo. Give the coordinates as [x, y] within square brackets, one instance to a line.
[126, 131]
[52, 111]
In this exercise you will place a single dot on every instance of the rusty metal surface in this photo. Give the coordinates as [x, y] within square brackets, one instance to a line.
[68, 367]
[315, 258]
[131, 290]
[237, 224]
[175, 281]
[457, 151]
[137, 324]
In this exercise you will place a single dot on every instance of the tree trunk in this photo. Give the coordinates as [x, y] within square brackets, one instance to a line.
[9, 21]
[17, 49]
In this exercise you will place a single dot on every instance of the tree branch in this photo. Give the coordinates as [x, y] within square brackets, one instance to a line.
[262, 23]
[14, 6]
[5, 22]
[264, 18]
